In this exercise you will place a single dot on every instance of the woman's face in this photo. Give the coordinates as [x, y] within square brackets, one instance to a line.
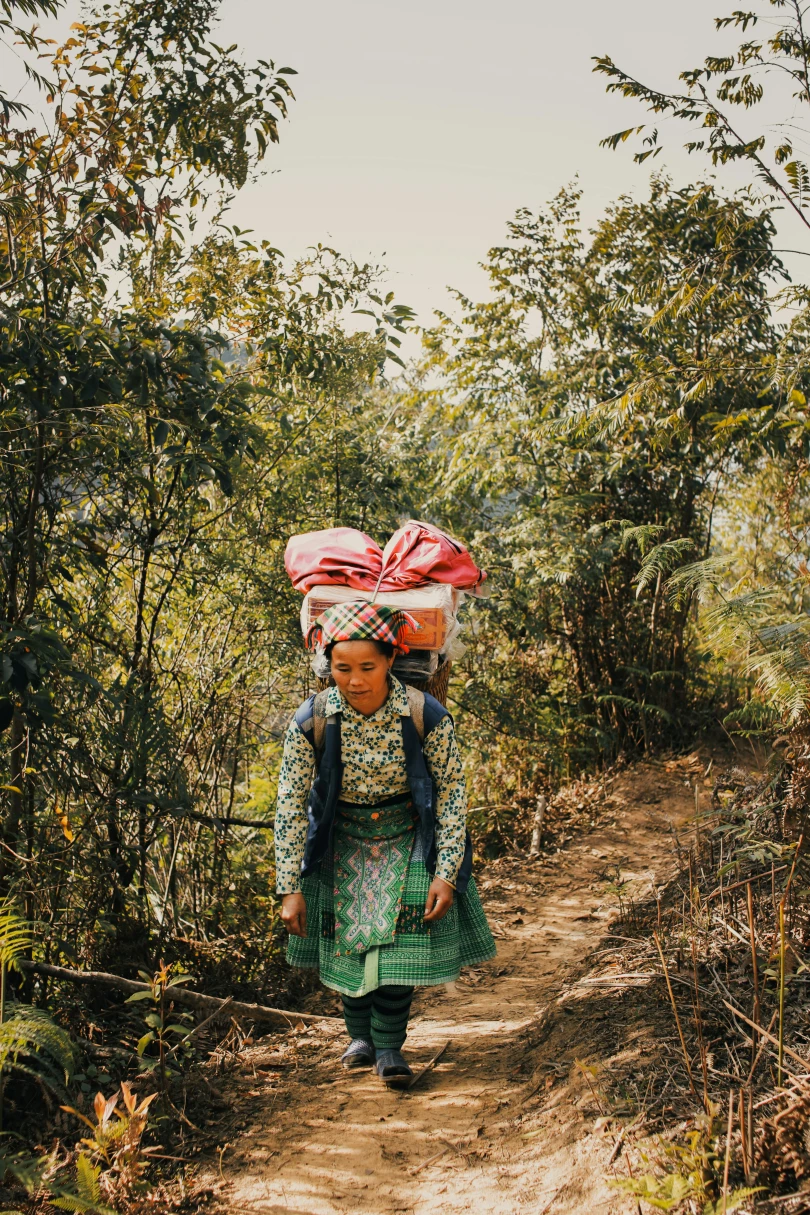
[361, 673]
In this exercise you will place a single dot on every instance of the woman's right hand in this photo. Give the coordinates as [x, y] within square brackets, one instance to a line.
[294, 914]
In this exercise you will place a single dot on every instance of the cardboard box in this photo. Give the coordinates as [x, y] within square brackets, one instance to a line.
[434, 606]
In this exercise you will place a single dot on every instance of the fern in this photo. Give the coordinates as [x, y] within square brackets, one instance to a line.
[34, 1175]
[88, 1198]
[740, 624]
[33, 1044]
[698, 579]
[776, 655]
[642, 534]
[660, 559]
[15, 937]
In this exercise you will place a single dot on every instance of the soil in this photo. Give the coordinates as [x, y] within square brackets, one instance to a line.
[544, 1072]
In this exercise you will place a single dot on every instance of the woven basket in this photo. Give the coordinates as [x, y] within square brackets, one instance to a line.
[436, 685]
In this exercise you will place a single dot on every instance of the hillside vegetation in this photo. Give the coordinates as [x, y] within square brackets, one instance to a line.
[619, 431]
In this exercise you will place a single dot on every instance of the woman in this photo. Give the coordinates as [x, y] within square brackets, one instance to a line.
[372, 856]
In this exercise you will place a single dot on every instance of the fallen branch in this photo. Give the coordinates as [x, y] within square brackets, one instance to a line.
[430, 1160]
[431, 1063]
[617, 1146]
[180, 995]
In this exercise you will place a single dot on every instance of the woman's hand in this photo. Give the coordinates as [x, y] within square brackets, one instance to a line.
[294, 914]
[439, 900]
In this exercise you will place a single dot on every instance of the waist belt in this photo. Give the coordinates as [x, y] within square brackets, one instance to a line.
[381, 803]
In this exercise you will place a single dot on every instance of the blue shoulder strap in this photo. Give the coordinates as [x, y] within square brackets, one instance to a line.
[434, 712]
[304, 720]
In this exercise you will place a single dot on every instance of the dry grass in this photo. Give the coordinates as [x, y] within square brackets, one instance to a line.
[699, 1010]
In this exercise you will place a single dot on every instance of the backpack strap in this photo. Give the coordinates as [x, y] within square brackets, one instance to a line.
[319, 720]
[434, 711]
[304, 719]
[311, 720]
[416, 704]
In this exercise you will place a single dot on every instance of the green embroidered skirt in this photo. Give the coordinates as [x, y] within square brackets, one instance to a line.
[366, 905]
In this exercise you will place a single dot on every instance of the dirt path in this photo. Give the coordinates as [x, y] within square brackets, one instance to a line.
[508, 1121]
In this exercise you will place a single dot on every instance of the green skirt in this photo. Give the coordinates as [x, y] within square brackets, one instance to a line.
[366, 905]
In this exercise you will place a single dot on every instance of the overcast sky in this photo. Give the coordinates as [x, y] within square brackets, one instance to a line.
[418, 129]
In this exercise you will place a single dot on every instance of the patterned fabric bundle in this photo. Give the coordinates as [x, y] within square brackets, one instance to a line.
[361, 622]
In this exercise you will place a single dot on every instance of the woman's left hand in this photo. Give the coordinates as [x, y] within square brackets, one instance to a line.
[439, 900]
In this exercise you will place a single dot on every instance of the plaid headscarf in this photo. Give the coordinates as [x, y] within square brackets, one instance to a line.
[361, 622]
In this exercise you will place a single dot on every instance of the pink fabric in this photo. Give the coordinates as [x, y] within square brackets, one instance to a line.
[416, 554]
[337, 556]
[419, 553]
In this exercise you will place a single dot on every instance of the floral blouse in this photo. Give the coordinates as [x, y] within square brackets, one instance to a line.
[373, 756]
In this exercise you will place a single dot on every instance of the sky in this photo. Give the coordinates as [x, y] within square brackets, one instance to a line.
[419, 129]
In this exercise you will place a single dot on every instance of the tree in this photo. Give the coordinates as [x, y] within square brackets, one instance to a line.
[748, 621]
[161, 374]
[716, 91]
[587, 479]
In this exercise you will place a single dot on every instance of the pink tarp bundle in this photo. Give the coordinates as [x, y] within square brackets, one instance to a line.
[337, 555]
[416, 554]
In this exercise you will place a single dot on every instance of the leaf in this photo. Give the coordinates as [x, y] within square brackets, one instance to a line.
[144, 1105]
[144, 1042]
[176, 980]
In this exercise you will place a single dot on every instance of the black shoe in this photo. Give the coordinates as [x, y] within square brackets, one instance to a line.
[359, 1053]
[393, 1069]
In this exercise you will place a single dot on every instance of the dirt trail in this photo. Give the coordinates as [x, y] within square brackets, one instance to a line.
[507, 1122]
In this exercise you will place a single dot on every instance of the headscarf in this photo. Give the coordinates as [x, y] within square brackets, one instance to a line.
[361, 622]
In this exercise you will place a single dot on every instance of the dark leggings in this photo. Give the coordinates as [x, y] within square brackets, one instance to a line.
[381, 1016]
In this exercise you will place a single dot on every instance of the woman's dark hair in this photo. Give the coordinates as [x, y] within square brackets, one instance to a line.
[384, 647]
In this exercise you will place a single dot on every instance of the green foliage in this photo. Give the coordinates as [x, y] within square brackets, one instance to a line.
[164, 1023]
[595, 405]
[88, 1191]
[754, 622]
[11, 12]
[32, 1044]
[35, 1176]
[779, 52]
[15, 937]
[689, 1168]
[110, 1167]
[753, 592]
[175, 399]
